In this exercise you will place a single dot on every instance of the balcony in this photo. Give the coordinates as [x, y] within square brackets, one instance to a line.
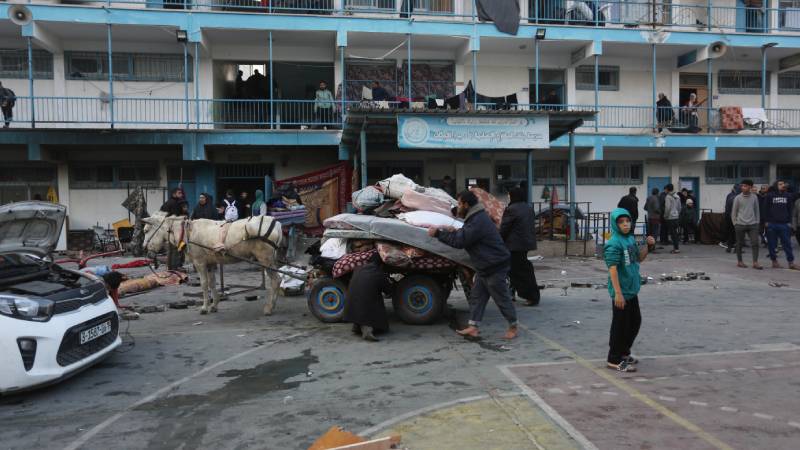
[684, 15]
[219, 114]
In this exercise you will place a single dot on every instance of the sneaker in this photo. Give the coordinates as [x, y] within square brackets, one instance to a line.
[623, 366]
[723, 245]
[630, 359]
[675, 252]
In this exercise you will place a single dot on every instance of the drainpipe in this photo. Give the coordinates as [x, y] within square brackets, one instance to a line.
[271, 86]
[30, 83]
[110, 79]
[197, 84]
[408, 81]
[572, 181]
[530, 176]
[596, 88]
[655, 113]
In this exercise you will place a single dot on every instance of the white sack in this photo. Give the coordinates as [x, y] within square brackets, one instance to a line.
[428, 219]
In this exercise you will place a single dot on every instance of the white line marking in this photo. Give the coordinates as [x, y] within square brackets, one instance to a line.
[700, 372]
[610, 393]
[641, 380]
[555, 391]
[583, 392]
[598, 385]
[576, 387]
[757, 348]
[776, 366]
[386, 424]
[557, 418]
[720, 370]
[763, 416]
[740, 369]
[81, 441]
[660, 378]
[728, 409]
[759, 367]
[794, 424]
[666, 399]
[686, 375]
[692, 402]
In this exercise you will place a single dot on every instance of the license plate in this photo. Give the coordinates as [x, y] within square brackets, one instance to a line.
[95, 332]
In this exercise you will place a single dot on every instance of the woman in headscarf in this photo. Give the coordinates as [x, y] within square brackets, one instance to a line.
[205, 208]
[259, 207]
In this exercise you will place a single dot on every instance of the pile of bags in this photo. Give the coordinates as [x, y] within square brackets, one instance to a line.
[397, 196]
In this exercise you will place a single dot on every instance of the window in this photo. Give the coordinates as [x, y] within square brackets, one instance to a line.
[14, 64]
[127, 66]
[608, 79]
[117, 176]
[510, 173]
[734, 171]
[789, 83]
[549, 172]
[740, 82]
[789, 14]
[615, 172]
[370, 4]
[380, 170]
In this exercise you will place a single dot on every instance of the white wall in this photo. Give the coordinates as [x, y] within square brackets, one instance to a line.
[88, 207]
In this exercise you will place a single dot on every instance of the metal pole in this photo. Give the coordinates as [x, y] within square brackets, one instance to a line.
[186, 83]
[344, 82]
[655, 116]
[763, 82]
[536, 71]
[30, 83]
[709, 86]
[596, 87]
[530, 177]
[271, 86]
[572, 181]
[110, 79]
[474, 80]
[197, 84]
[408, 91]
[708, 15]
[363, 141]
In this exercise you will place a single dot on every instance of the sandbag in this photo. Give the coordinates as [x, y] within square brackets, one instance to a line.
[425, 202]
[333, 248]
[428, 219]
[493, 206]
[367, 199]
[396, 185]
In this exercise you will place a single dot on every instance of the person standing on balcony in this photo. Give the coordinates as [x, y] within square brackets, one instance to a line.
[664, 112]
[323, 106]
[653, 207]
[746, 216]
[379, 93]
[7, 101]
[519, 234]
[551, 102]
[631, 203]
[672, 214]
[778, 215]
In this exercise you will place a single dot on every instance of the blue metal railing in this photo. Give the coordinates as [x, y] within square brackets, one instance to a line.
[174, 113]
[626, 13]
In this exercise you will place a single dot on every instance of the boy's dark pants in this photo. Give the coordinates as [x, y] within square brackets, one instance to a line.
[624, 329]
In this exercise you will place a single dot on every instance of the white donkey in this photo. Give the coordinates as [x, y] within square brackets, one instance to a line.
[254, 238]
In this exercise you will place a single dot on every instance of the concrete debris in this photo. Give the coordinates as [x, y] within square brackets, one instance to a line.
[690, 276]
[129, 315]
[777, 284]
[150, 309]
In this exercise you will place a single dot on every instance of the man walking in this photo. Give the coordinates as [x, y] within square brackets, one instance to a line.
[480, 238]
[672, 212]
[653, 208]
[7, 101]
[746, 216]
[517, 230]
[631, 203]
[778, 216]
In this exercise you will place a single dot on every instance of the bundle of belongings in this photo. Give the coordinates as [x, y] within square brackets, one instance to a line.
[286, 205]
[392, 222]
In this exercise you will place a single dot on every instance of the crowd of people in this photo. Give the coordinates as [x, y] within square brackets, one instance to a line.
[671, 216]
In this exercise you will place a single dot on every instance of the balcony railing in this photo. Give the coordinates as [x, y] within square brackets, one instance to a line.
[172, 113]
[677, 14]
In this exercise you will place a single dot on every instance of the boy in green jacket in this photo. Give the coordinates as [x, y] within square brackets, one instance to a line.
[623, 255]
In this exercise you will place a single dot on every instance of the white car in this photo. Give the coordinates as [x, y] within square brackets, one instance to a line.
[54, 322]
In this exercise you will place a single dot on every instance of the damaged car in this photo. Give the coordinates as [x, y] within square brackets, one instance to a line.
[54, 321]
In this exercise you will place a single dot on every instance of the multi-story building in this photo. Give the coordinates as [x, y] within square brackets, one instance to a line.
[218, 93]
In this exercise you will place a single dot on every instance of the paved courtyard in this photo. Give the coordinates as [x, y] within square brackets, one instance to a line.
[719, 369]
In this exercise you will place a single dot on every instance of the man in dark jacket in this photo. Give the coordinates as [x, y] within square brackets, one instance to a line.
[172, 206]
[7, 101]
[205, 208]
[778, 217]
[631, 203]
[662, 203]
[480, 238]
[175, 206]
[653, 208]
[517, 230]
[729, 232]
[364, 307]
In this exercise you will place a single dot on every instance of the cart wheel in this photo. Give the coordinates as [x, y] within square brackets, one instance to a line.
[326, 300]
[418, 300]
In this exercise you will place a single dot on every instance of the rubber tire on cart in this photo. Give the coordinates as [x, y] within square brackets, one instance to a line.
[418, 300]
[326, 300]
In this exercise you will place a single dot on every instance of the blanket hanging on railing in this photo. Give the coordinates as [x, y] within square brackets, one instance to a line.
[504, 14]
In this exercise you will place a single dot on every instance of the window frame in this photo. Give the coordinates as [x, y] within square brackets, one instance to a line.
[115, 167]
[737, 172]
[589, 69]
[615, 173]
[794, 76]
[126, 66]
[741, 89]
[41, 58]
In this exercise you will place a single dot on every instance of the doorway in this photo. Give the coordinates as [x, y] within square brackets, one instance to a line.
[549, 80]
[692, 184]
[697, 84]
[657, 183]
[242, 178]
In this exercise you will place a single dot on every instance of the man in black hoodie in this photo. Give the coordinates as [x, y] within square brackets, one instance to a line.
[519, 234]
[631, 203]
[778, 217]
[480, 238]
[205, 208]
[729, 231]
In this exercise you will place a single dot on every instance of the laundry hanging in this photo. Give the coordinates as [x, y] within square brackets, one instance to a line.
[504, 14]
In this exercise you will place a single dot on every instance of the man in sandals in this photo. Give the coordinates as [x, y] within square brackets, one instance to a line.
[746, 216]
[623, 255]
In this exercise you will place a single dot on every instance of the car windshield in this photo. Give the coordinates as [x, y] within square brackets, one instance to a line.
[13, 265]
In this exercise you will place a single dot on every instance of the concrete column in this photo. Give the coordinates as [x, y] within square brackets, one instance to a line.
[773, 101]
[571, 91]
[63, 198]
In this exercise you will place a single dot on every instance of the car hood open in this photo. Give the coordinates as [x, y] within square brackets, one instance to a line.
[31, 227]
